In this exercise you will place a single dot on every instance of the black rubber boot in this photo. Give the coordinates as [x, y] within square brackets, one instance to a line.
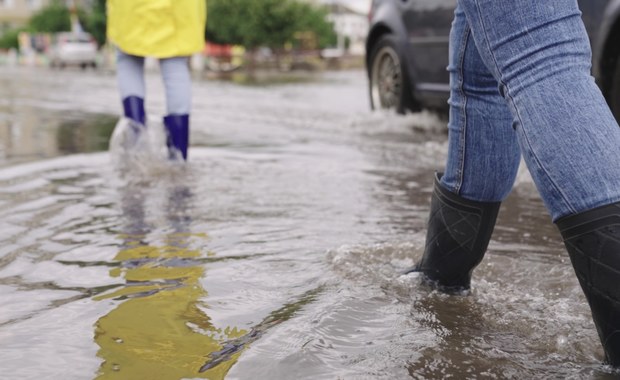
[458, 234]
[592, 239]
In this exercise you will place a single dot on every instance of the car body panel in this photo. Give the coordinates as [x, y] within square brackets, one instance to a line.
[428, 24]
[601, 25]
[387, 21]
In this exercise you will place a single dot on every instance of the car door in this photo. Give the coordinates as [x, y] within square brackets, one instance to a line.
[428, 26]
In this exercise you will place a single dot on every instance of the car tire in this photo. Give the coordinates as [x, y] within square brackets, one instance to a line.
[389, 85]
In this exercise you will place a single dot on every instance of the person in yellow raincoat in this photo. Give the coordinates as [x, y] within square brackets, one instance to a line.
[170, 30]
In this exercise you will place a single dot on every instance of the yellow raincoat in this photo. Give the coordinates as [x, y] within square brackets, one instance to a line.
[157, 28]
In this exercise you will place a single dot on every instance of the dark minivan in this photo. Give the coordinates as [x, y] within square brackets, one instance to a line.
[407, 52]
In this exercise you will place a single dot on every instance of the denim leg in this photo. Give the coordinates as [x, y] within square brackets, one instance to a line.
[540, 54]
[177, 80]
[484, 153]
[130, 75]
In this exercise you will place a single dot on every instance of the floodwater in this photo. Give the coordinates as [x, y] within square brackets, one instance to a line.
[275, 253]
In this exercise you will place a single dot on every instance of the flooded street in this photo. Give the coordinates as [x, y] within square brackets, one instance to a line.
[275, 253]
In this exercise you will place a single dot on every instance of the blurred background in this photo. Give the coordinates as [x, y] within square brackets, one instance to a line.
[57, 49]
[307, 33]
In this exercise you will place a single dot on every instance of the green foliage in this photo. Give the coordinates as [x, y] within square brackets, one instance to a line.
[53, 18]
[314, 19]
[221, 16]
[271, 23]
[56, 17]
[9, 39]
[94, 22]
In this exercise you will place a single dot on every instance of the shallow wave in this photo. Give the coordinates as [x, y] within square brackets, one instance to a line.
[515, 323]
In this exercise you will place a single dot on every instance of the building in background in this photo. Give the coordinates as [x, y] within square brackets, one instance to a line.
[362, 6]
[351, 27]
[350, 24]
[16, 13]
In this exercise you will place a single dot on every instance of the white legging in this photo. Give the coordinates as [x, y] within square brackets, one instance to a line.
[176, 77]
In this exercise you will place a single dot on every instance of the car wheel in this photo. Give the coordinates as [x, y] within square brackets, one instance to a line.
[388, 81]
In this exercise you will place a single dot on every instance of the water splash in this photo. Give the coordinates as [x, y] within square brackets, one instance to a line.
[139, 151]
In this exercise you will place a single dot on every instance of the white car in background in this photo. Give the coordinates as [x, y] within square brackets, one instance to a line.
[73, 49]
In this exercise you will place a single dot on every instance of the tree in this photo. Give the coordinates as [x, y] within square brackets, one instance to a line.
[53, 18]
[222, 18]
[94, 22]
[9, 40]
[314, 19]
[271, 23]
[56, 17]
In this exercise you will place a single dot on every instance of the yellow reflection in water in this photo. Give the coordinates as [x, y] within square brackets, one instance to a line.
[158, 330]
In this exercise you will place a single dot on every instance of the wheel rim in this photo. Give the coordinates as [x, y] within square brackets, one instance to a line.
[386, 79]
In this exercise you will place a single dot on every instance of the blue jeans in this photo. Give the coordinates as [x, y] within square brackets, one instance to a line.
[176, 77]
[521, 85]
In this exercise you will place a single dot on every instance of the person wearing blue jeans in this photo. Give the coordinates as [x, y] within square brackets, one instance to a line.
[521, 86]
[177, 82]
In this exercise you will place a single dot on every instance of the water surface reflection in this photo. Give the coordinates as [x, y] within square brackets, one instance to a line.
[159, 327]
[275, 254]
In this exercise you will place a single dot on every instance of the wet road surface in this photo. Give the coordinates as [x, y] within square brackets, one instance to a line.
[274, 254]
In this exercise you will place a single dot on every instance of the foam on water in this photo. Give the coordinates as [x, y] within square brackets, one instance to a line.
[498, 330]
